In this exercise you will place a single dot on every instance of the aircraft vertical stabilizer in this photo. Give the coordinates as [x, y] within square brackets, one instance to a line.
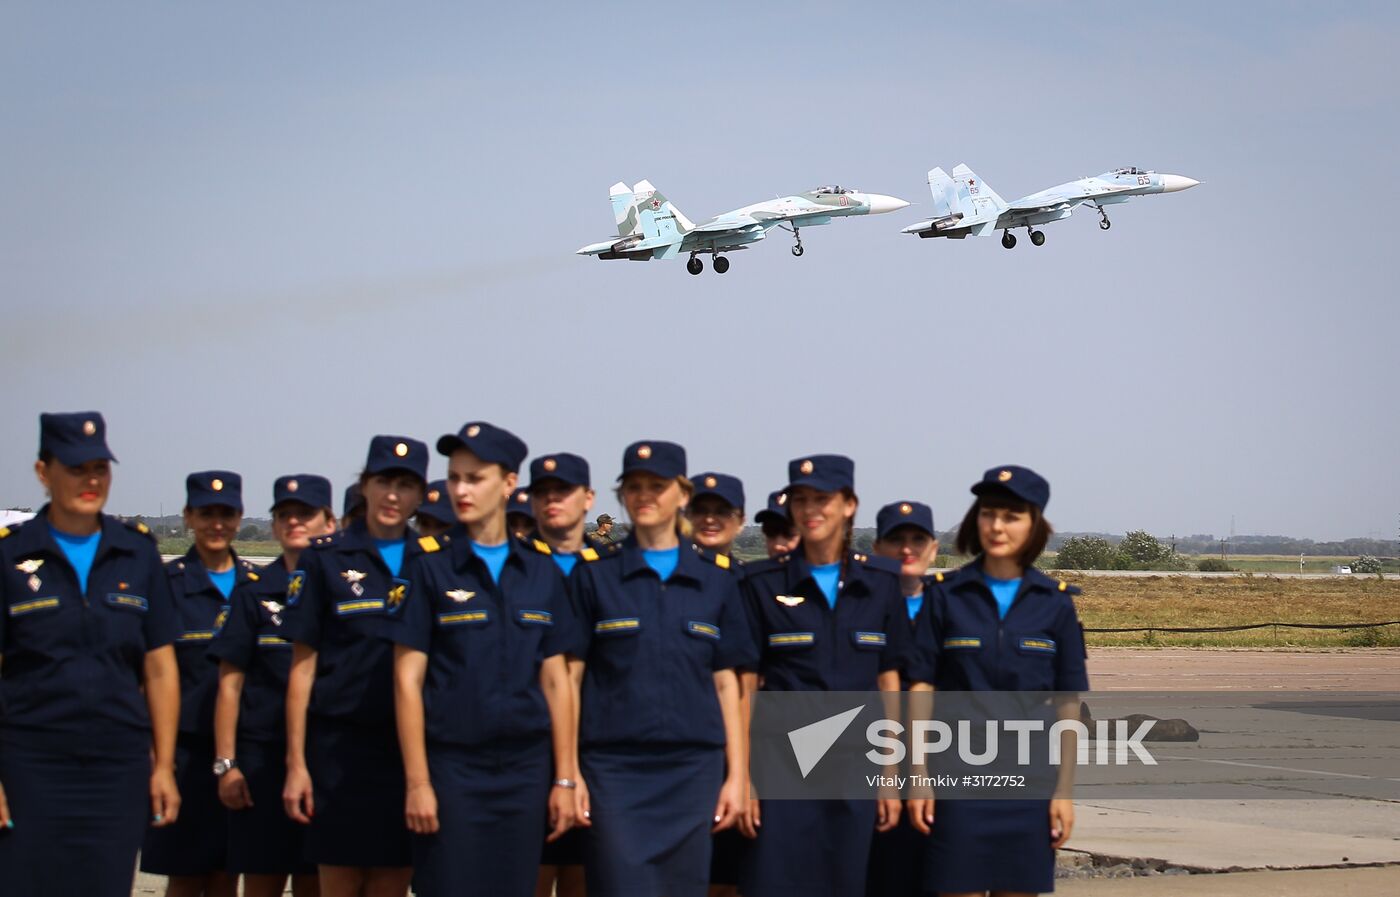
[981, 204]
[624, 204]
[661, 223]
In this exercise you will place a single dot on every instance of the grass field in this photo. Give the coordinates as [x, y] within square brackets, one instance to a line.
[1164, 600]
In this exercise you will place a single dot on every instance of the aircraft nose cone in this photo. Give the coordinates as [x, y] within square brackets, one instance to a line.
[880, 203]
[1171, 183]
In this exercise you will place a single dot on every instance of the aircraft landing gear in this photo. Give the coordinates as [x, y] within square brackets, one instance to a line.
[1104, 223]
[796, 250]
[695, 266]
[1008, 240]
[1038, 237]
[721, 264]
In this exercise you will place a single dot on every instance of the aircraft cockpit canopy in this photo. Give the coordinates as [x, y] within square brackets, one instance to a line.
[833, 189]
[1133, 170]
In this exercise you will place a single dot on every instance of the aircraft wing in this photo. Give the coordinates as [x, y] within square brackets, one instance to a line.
[725, 225]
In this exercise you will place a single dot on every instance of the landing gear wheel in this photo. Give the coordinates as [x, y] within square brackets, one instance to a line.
[694, 266]
[721, 264]
[1008, 240]
[1038, 237]
[1105, 224]
[798, 250]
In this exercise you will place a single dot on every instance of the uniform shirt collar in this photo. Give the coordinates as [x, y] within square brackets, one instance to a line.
[35, 537]
[634, 562]
[852, 576]
[463, 553]
[197, 576]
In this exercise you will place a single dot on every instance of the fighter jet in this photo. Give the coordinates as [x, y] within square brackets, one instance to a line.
[964, 204]
[649, 227]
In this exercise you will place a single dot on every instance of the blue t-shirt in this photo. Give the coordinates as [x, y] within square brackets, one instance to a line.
[914, 603]
[391, 550]
[828, 577]
[663, 561]
[494, 556]
[1004, 591]
[224, 581]
[565, 561]
[80, 551]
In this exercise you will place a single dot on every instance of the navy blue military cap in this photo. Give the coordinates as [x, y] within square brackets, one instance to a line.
[520, 503]
[825, 473]
[488, 442]
[354, 500]
[566, 468]
[437, 504]
[397, 453]
[74, 438]
[665, 459]
[722, 484]
[904, 513]
[214, 487]
[776, 510]
[307, 488]
[1020, 482]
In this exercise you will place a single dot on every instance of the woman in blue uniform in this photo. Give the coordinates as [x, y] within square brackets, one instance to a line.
[435, 515]
[903, 533]
[254, 656]
[779, 535]
[561, 495]
[344, 772]
[485, 706]
[660, 735]
[194, 851]
[86, 625]
[825, 618]
[999, 624]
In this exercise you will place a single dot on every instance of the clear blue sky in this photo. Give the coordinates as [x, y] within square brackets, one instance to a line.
[256, 235]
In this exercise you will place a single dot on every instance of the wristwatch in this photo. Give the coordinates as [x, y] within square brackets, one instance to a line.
[223, 764]
[565, 783]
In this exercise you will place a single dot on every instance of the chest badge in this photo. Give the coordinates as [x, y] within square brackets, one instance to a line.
[30, 566]
[353, 577]
[275, 608]
[460, 596]
[790, 600]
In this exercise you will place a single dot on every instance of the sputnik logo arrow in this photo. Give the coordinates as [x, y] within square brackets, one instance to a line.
[810, 743]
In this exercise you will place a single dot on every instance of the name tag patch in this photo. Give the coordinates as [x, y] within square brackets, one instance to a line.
[273, 641]
[359, 606]
[705, 630]
[536, 617]
[29, 607]
[791, 639]
[464, 617]
[618, 626]
[1038, 645]
[962, 641]
[869, 639]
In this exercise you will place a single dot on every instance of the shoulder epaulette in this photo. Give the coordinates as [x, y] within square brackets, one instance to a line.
[721, 561]
[541, 546]
[328, 539]
[5, 531]
[253, 577]
[758, 568]
[938, 576]
[429, 544]
[245, 563]
[588, 554]
[878, 563]
[175, 567]
[139, 527]
[1067, 588]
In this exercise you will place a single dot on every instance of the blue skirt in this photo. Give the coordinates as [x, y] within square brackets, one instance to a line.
[263, 839]
[996, 845]
[492, 810]
[358, 788]
[78, 822]
[197, 844]
[652, 808]
[896, 862]
[810, 848]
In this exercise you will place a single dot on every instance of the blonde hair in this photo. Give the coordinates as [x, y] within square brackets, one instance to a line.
[683, 524]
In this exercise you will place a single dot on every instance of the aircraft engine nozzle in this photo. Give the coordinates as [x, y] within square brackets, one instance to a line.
[1172, 183]
[880, 203]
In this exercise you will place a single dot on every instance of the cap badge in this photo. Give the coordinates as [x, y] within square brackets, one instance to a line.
[711, 482]
[216, 484]
[292, 486]
[433, 495]
[460, 595]
[906, 509]
[473, 431]
[1004, 475]
[401, 449]
[790, 600]
[89, 428]
[782, 499]
[643, 452]
[550, 464]
[522, 498]
[807, 467]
